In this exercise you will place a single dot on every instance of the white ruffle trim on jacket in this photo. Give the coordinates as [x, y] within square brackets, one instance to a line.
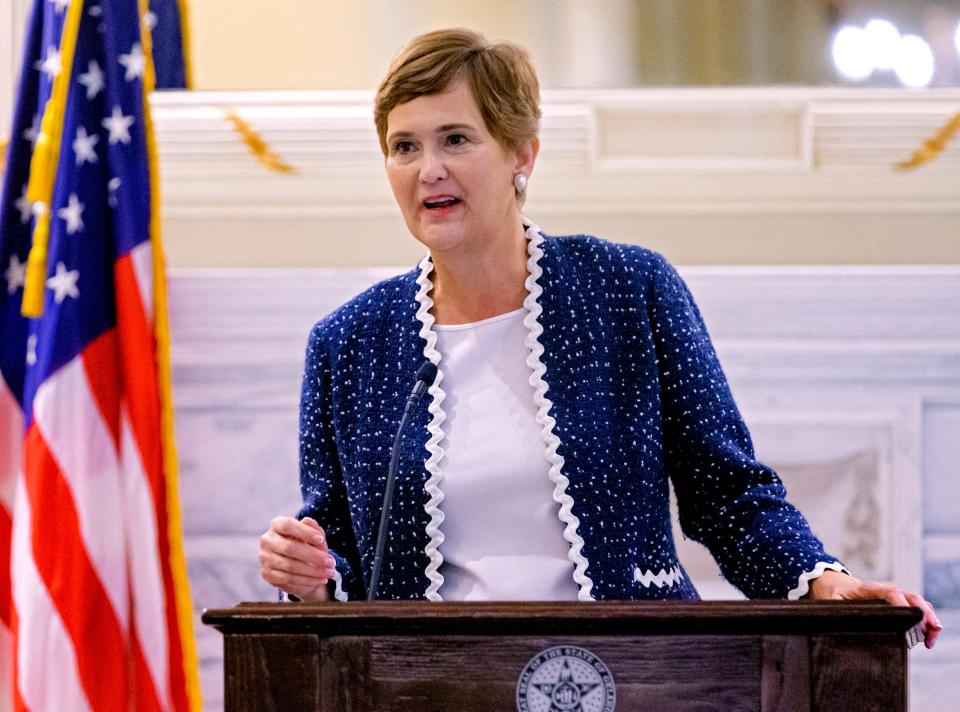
[545, 420]
[803, 584]
[338, 593]
[435, 428]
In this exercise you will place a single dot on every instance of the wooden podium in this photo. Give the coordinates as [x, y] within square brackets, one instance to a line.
[498, 657]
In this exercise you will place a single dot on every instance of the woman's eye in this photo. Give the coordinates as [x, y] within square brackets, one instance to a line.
[403, 147]
[456, 139]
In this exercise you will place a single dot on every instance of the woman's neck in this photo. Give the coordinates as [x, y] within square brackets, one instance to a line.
[471, 287]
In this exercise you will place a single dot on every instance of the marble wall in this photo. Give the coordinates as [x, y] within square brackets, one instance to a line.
[848, 377]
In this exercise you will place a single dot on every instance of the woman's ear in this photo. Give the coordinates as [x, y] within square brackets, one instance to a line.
[527, 156]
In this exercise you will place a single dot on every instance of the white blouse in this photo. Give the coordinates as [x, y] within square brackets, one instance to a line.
[512, 550]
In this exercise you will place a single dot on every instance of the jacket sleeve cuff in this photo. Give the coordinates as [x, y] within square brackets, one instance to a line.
[334, 585]
[342, 569]
[803, 583]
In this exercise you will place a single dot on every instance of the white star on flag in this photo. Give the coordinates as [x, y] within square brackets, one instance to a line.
[30, 134]
[24, 206]
[50, 65]
[95, 11]
[135, 62]
[64, 283]
[118, 125]
[112, 186]
[61, 5]
[32, 350]
[72, 214]
[83, 146]
[16, 274]
[150, 19]
[92, 79]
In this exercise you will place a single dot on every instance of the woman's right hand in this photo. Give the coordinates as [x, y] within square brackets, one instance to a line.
[294, 557]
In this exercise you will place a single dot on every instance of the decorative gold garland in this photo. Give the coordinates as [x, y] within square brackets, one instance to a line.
[933, 146]
[258, 147]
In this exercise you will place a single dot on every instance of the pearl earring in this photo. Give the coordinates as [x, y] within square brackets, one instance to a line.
[520, 183]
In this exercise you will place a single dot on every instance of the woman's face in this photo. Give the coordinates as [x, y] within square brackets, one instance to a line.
[451, 178]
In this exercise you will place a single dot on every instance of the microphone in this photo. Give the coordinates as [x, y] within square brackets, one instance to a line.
[426, 375]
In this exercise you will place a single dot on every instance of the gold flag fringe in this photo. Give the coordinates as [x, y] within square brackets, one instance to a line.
[933, 146]
[43, 166]
[177, 558]
[187, 40]
[258, 147]
[4, 142]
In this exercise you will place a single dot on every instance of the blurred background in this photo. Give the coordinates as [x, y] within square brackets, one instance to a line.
[592, 43]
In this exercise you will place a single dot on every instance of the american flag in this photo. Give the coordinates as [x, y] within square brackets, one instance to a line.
[95, 610]
[168, 26]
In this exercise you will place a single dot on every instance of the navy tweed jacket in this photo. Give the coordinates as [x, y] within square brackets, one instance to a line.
[629, 394]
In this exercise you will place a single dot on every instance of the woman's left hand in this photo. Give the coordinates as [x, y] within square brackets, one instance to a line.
[837, 586]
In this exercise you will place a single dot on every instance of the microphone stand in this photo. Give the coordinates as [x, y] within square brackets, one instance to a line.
[426, 375]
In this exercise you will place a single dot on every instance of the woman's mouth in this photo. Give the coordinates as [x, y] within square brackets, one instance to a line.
[439, 202]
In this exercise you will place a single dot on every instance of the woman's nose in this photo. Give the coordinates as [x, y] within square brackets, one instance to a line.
[432, 167]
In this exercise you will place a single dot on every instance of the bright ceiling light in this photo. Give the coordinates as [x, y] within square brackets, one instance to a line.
[956, 38]
[852, 53]
[884, 40]
[914, 65]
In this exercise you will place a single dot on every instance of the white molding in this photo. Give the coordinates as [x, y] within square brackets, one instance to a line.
[631, 152]
[13, 25]
[892, 326]
[238, 336]
[887, 327]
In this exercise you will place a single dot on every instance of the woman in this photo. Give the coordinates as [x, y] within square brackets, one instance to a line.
[575, 378]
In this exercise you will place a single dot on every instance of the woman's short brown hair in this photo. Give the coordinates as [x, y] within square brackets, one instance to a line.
[500, 76]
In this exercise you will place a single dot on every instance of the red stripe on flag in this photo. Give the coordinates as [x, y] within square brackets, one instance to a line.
[6, 597]
[101, 366]
[18, 704]
[139, 364]
[142, 399]
[72, 582]
[145, 694]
